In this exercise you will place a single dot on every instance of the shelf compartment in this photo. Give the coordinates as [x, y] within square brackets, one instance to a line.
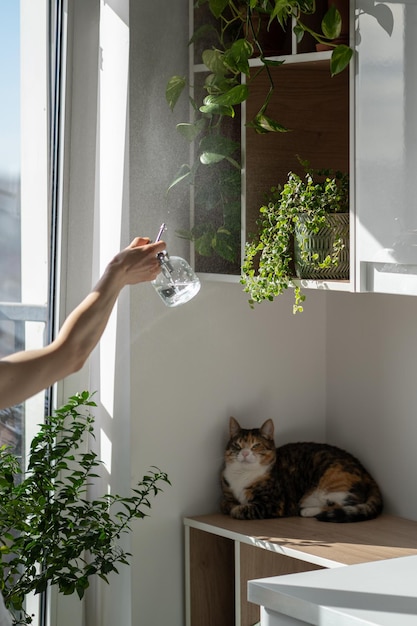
[212, 572]
[222, 554]
[315, 108]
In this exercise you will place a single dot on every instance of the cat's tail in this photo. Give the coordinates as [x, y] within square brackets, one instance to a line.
[353, 510]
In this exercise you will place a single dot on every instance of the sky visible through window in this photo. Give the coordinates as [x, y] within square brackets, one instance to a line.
[9, 151]
[9, 88]
[10, 209]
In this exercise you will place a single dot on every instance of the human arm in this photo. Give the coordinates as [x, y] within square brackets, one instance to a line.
[25, 373]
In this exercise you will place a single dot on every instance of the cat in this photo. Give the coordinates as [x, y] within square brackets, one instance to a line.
[318, 480]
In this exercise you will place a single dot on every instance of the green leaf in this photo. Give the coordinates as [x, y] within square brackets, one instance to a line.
[174, 89]
[233, 162]
[201, 32]
[217, 109]
[215, 148]
[216, 84]
[264, 124]
[340, 59]
[191, 131]
[184, 234]
[236, 58]
[234, 96]
[331, 24]
[203, 244]
[218, 6]
[210, 157]
[224, 244]
[183, 173]
[307, 6]
[271, 62]
[214, 61]
[282, 10]
[298, 32]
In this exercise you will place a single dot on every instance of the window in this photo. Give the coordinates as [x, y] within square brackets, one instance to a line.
[11, 331]
[27, 75]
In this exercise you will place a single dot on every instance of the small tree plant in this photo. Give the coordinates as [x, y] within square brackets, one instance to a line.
[50, 533]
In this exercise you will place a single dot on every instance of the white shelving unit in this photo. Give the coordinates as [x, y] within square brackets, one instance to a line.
[380, 153]
[310, 141]
[386, 154]
[223, 554]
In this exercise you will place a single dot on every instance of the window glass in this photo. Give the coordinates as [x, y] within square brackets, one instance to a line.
[24, 232]
[11, 330]
[24, 213]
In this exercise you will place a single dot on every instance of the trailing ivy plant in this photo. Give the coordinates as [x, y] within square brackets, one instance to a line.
[232, 32]
[50, 533]
[268, 266]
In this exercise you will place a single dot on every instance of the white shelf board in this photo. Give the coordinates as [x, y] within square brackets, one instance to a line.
[325, 285]
[288, 59]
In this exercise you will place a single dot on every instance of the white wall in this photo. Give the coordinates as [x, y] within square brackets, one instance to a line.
[193, 367]
[372, 390]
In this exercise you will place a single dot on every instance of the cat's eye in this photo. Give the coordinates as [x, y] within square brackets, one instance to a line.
[256, 446]
[236, 446]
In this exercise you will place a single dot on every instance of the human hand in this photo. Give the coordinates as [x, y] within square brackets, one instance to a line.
[27, 372]
[139, 261]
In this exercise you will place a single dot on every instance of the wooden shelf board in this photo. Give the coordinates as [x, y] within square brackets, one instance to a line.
[324, 544]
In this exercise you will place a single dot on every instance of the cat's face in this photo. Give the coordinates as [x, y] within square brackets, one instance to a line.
[250, 446]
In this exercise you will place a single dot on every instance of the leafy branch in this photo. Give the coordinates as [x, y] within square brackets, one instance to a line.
[230, 34]
[50, 533]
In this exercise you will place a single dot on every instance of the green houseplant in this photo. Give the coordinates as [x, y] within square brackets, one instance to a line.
[230, 30]
[298, 236]
[50, 533]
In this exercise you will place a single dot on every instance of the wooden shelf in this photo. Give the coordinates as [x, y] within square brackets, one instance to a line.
[307, 100]
[222, 554]
[315, 108]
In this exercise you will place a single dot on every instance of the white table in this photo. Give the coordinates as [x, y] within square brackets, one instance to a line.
[382, 593]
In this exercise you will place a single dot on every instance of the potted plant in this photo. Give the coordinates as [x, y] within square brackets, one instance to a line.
[50, 533]
[231, 33]
[303, 233]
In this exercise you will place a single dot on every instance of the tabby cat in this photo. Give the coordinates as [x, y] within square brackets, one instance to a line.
[308, 479]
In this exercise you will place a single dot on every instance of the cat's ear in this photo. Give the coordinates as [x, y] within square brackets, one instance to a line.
[234, 427]
[267, 429]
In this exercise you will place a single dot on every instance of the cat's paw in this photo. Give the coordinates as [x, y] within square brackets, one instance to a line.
[226, 507]
[310, 511]
[244, 511]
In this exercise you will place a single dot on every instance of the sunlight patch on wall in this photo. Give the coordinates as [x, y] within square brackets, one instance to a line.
[105, 450]
[114, 65]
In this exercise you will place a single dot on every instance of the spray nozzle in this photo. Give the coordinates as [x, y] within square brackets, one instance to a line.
[166, 264]
[163, 257]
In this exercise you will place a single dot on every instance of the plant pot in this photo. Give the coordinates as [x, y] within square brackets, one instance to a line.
[321, 243]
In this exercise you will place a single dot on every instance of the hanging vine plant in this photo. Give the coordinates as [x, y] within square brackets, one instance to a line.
[268, 269]
[232, 30]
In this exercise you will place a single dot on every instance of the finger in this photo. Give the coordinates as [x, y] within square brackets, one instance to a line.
[157, 247]
[139, 241]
